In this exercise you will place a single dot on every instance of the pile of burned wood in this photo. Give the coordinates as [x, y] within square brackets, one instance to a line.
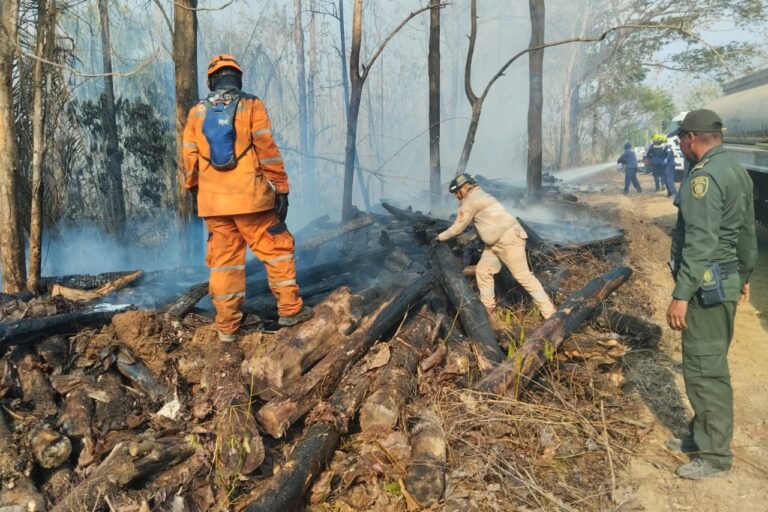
[145, 409]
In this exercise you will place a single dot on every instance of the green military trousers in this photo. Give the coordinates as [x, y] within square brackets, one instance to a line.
[708, 381]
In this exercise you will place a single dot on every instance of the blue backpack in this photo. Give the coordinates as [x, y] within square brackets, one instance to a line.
[219, 128]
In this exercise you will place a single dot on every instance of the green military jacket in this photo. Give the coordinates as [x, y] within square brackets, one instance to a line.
[715, 223]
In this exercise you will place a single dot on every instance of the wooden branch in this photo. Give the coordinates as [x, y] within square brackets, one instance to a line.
[518, 371]
[354, 225]
[470, 55]
[279, 414]
[78, 295]
[473, 317]
[126, 463]
[367, 66]
[25, 331]
[184, 304]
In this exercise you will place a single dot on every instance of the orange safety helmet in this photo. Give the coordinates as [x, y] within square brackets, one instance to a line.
[222, 61]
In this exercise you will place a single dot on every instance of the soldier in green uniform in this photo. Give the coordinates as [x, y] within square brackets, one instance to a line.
[713, 253]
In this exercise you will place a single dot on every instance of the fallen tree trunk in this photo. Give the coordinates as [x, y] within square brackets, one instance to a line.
[126, 463]
[518, 371]
[415, 217]
[295, 349]
[357, 224]
[35, 387]
[17, 488]
[265, 304]
[472, 314]
[396, 384]
[24, 331]
[315, 448]
[80, 295]
[280, 413]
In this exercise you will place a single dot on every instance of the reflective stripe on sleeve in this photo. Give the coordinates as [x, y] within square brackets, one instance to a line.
[285, 257]
[272, 160]
[228, 296]
[259, 133]
[227, 268]
[190, 145]
[287, 282]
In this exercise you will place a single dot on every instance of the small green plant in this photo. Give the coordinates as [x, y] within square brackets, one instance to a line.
[393, 488]
[549, 351]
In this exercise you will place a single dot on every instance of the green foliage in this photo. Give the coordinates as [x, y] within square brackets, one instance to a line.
[393, 488]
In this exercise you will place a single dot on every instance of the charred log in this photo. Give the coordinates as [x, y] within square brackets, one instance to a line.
[34, 385]
[313, 451]
[473, 317]
[25, 331]
[50, 448]
[646, 333]
[426, 474]
[518, 371]
[17, 488]
[280, 413]
[135, 371]
[184, 304]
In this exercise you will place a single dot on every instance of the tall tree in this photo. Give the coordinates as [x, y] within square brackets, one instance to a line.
[535, 99]
[115, 197]
[41, 77]
[434, 107]
[11, 233]
[358, 74]
[301, 85]
[311, 129]
[184, 32]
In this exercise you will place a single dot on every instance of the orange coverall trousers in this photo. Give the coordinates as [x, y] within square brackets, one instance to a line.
[227, 238]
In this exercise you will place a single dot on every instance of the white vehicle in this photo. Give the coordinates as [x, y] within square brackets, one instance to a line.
[674, 142]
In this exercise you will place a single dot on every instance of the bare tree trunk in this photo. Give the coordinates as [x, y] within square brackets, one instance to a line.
[344, 68]
[11, 234]
[350, 150]
[185, 65]
[301, 76]
[564, 153]
[475, 101]
[434, 108]
[38, 149]
[115, 199]
[309, 163]
[535, 100]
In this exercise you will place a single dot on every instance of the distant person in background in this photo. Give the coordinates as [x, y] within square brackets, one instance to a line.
[657, 155]
[236, 171]
[628, 159]
[504, 240]
[669, 167]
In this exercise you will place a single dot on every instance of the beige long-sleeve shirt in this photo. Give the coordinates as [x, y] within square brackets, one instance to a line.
[490, 217]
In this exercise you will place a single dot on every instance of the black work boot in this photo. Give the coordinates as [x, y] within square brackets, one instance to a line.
[302, 316]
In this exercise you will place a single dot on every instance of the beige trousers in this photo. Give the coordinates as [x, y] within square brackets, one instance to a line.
[510, 250]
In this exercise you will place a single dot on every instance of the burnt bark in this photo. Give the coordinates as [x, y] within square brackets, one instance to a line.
[28, 330]
[473, 317]
[50, 448]
[184, 304]
[34, 384]
[518, 371]
[279, 414]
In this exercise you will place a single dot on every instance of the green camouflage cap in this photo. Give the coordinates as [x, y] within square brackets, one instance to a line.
[700, 121]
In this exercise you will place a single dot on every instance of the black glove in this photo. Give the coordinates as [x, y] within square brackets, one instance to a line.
[281, 206]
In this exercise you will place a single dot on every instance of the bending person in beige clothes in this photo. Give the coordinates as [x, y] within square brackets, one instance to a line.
[504, 240]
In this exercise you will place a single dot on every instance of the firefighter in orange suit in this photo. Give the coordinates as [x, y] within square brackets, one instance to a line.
[235, 168]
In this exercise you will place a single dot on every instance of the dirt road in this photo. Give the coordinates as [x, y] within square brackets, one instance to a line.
[650, 482]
